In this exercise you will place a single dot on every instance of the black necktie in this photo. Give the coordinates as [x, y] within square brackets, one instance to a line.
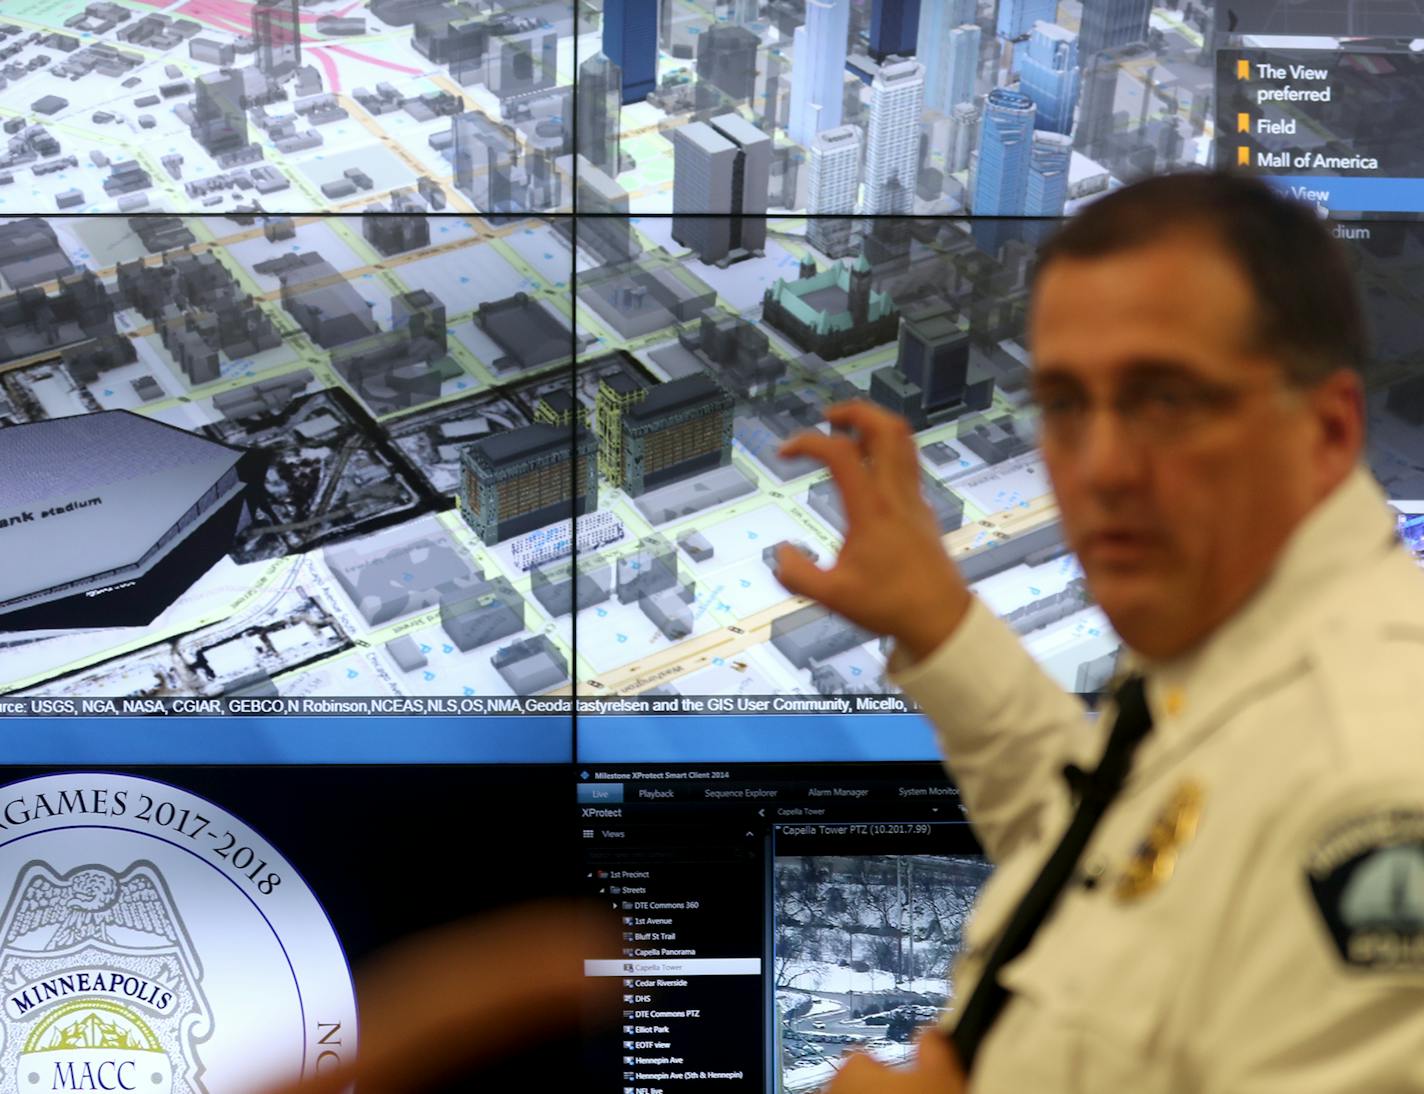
[1096, 791]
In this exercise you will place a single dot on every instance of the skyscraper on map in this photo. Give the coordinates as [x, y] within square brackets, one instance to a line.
[1046, 188]
[894, 28]
[483, 157]
[957, 60]
[818, 69]
[933, 354]
[892, 144]
[963, 136]
[599, 98]
[831, 190]
[937, 19]
[1097, 118]
[277, 36]
[1049, 76]
[630, 40]
[516, 480]
[1005, 150]
[608, 231]
[1110, 23]
[219, 120]
[726, 63]
[1017, 17]
[938, 53]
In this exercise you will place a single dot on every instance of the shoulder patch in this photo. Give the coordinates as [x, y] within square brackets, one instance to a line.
[1367, 878]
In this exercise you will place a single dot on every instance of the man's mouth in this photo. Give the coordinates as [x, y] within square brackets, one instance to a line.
[1118, 544]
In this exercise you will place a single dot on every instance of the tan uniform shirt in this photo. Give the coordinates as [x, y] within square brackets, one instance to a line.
[1279, 947]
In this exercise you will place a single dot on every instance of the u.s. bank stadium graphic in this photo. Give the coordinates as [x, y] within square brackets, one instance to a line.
[152, 942]
[118, 515]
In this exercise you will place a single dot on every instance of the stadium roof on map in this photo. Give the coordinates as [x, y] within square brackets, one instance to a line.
[91, 494]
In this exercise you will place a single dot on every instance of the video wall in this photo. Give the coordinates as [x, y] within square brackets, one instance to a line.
[390, 404]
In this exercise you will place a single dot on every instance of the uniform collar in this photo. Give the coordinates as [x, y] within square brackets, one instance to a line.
[1350, 526]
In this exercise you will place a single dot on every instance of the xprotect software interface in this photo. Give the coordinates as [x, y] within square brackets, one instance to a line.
[772, 915]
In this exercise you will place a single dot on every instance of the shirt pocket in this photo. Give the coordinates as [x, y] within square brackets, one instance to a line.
[1092, 1000]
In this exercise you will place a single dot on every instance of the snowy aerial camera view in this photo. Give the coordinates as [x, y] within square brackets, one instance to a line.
[863, 949]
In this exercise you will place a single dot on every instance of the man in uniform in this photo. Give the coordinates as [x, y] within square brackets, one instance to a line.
[1245, 912]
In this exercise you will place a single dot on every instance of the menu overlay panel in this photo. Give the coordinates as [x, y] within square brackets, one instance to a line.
[1341, 130]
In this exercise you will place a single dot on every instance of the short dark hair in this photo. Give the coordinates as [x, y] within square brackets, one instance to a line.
[1308, 309]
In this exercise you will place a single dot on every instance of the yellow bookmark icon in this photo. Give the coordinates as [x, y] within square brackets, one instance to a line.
[1243, 70]
[1243, 156]
[1243, 123]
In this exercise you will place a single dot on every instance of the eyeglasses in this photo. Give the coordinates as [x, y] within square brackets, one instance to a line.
[1155, 410]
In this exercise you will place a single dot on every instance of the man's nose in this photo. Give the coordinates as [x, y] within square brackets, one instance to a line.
[1111, 452]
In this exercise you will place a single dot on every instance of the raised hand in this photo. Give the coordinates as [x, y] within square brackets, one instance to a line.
[892, 575]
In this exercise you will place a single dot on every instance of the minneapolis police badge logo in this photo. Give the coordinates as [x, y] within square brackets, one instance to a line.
[152, 942]
[1367, 877]
[102, 988]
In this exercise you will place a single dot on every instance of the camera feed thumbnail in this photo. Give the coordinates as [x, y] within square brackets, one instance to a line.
[863, 950]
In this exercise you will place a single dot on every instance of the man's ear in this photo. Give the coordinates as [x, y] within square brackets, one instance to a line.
[1338, 408]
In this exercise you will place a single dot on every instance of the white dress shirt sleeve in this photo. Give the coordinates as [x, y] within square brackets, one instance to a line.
[1005, 727]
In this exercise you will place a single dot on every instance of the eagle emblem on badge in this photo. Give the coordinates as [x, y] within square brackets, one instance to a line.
[101, 987]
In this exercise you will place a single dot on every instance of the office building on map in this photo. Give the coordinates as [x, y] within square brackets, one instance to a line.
[514, 482]
[615, 394]
[963, 136]
[934, 378]
[678, 429]
[219, 118]
[1017, 17]
[952, 71]
[605, 229]
[560, 408]
[1046, 189]
[482, 153]
[726, 64]
[323, 302]
[721, 166]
